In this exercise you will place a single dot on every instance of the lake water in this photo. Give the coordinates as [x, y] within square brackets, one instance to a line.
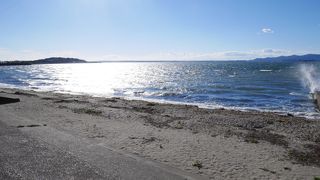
[281, 86]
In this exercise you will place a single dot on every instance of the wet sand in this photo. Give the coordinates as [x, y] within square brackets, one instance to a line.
[215, 144]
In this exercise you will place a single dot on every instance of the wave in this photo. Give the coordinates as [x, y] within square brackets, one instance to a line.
[310, 77]
[308, 115]
[236, 85]
[265, 70]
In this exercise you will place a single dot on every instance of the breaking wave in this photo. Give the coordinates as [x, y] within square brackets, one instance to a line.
[310, 77]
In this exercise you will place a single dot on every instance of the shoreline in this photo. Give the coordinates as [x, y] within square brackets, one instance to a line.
[308, 115]
[213, 143]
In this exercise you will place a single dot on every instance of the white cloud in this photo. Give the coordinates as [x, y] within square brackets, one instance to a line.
[274, 51]
[267, 30]
[225, 55]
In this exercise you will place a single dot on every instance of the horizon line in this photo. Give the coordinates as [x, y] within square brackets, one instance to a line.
[162, 60]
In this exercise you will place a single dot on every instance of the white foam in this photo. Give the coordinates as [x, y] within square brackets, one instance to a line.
[310, 77]
[297, 94]
[308, 115]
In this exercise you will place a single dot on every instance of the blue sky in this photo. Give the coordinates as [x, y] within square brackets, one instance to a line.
[158, 29]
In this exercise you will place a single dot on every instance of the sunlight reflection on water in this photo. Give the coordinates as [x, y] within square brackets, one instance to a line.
[244, 85]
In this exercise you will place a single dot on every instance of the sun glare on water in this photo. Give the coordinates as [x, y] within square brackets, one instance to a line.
[100, 79]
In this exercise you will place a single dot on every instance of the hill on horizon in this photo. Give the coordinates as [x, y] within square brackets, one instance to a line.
[51, 60]
[306, 57]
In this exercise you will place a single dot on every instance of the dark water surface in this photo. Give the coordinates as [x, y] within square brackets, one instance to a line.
[280, 86]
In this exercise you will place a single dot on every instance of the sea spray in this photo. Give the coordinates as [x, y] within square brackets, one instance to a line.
[310, 77]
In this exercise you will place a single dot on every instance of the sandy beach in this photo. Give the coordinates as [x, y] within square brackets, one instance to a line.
[199, 143]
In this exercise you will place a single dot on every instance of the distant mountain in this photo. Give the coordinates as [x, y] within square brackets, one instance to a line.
[307, 57]
[52, 60]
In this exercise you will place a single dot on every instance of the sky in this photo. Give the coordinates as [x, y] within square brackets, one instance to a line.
[158, 29]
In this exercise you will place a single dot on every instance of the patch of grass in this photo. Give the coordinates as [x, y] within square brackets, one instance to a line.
[229, 133]
[194, 131]
[148, 110]
[311, 156]
[251, 140]
[287, 168]
[275, 139]
[88, 111]
[62, 107]
[148, 140]
[317, 178]
[159, 123]
[197, 164]
[178, 125]
[270, 122]
[151, 104]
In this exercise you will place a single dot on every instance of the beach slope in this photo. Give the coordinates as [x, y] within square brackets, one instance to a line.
[72, 136]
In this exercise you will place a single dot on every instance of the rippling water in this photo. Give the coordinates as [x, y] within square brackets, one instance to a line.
[239, 85]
